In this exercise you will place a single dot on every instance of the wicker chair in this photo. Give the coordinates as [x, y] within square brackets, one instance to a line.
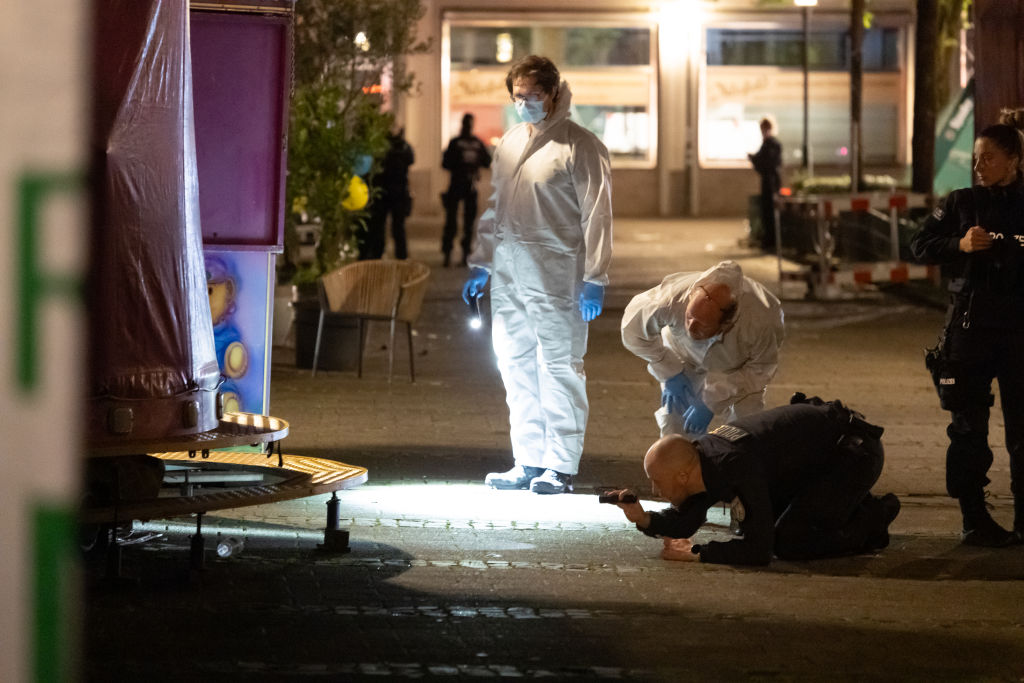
[374, 290]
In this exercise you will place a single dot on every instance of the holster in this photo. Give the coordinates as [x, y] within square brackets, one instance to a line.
[946, 372]
[855, 428]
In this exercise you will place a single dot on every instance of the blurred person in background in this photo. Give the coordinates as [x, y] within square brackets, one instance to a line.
[767, 161]
[465, 156]
[394, 200]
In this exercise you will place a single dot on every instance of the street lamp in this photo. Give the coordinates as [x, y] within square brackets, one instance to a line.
[805, 7]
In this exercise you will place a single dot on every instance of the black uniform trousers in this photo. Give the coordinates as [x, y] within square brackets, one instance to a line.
[767, 204]
[452, 198]
[834, 514]
[981, 354]
[392, 202]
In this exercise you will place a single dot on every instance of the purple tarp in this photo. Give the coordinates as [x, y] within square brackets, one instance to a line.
[153, 368]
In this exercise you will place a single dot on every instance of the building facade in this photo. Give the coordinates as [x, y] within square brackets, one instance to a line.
[675, 89]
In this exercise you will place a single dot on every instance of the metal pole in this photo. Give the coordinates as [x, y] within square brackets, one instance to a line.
[805, 159]
[894, 234]
[856, 91]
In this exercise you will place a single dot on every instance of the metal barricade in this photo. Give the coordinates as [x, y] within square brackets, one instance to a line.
[814, 232]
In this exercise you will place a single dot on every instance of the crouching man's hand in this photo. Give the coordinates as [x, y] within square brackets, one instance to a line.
[634, 511]
[680, 549]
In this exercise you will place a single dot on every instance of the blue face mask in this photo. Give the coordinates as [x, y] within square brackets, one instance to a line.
[531, 111]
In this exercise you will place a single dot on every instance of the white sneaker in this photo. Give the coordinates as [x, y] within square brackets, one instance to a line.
[519, 477]
[552, 482]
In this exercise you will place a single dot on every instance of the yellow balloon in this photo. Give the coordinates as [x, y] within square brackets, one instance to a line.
[358, 194]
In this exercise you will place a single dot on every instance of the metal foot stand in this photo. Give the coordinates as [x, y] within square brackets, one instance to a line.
[113, 550]
[113, 566]
[197, 554]
[112, 574]
[335, 539]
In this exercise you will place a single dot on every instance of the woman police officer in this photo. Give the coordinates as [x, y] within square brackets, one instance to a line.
[979, 232]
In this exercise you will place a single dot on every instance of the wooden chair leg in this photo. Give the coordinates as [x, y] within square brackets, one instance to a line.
[391, 350]
[412, 367]
[359, 366]
[316, 348]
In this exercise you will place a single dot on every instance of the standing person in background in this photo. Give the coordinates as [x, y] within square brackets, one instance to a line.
[979, 232]
[768, 163]
[394, 200]
[465, 156]
[545, 242]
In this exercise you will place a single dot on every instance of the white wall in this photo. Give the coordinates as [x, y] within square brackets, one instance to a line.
[43, 77]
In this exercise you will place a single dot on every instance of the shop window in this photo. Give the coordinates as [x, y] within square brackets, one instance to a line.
[750, 74]
[611, 70]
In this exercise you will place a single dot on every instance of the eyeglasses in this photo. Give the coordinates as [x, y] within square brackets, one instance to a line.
[708, 297]
[529, 97]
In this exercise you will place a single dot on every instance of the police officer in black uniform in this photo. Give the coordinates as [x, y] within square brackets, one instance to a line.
[465, 156]
[979, 233]
[803, 473]
[394, 200]
[767, 161]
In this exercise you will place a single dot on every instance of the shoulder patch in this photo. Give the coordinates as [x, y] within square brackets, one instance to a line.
[730, 433]
[939, 213]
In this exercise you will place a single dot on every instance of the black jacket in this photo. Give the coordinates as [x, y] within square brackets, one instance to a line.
[394, 172]
[465, 156]
[777, 454]
[767, 162]
[992, 280]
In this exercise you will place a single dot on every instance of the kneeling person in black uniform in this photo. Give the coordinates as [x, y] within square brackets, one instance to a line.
[803, 473]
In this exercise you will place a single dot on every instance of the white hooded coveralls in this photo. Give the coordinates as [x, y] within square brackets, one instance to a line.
[732, 369]
[547, 229]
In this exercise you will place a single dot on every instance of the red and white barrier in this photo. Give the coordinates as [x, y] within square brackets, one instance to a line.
[866, 273]
[827, 276]
[833, 205]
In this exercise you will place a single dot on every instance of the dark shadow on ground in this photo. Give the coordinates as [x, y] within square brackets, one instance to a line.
[283, 613]
[920, 558]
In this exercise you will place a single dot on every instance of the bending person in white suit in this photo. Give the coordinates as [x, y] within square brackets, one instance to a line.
[712, 339]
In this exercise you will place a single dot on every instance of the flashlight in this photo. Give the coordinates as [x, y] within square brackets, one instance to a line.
[474, 316]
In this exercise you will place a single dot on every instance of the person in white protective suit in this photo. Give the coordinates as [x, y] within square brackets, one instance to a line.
[712, 339]
[545, 243]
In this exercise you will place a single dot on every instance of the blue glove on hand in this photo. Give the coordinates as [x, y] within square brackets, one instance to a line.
[474, 286]
[591, 301]
[677, 394]
[697, 417]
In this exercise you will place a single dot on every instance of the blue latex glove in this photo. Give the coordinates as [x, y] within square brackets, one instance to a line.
[677, 394]
[475, 284]
[697, 417]
[591, 301]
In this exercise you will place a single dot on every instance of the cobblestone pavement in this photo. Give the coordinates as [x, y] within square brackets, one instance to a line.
[446, 579]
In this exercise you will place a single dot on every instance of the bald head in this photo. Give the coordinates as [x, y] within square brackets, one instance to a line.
[710, 307]
[673, 466]
[668, 455]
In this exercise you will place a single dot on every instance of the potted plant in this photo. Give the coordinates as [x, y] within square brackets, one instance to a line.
[345, 53]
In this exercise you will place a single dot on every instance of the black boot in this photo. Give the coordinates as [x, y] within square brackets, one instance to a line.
[888, 508]
[1018, 519]
[979, 527]
[447, 259]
